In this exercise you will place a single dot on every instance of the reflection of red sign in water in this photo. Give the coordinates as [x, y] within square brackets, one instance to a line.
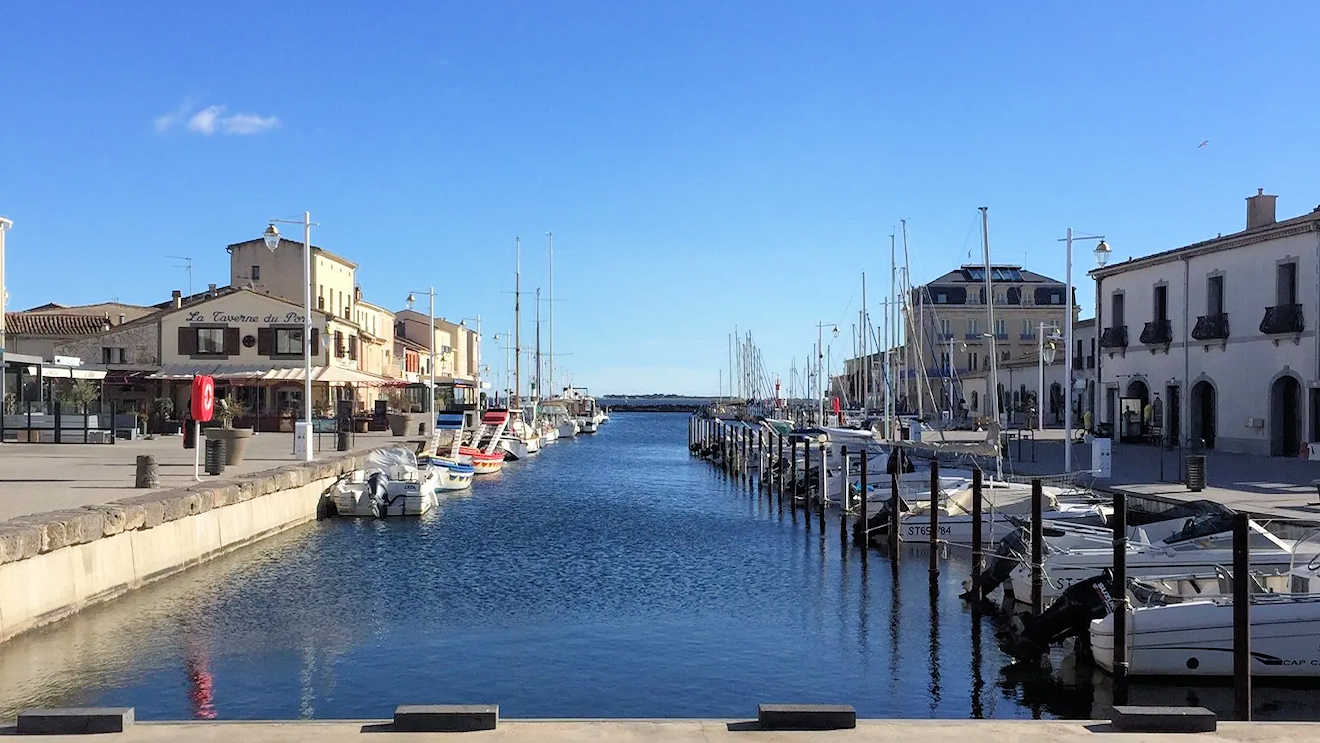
[200, 688]
[203, 398]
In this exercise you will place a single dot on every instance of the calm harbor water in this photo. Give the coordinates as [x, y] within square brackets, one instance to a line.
[610, 576]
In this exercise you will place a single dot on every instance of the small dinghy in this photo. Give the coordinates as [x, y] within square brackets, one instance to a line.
[391, 484]
[442, 455]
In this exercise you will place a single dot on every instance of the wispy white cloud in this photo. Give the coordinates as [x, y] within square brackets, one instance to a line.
[248, 123]
[166, 121]
[204, 121]
[212, 119]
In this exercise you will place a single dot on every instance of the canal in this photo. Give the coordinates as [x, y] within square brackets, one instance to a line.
[610, 576]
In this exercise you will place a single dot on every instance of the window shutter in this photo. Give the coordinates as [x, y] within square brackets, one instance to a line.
[265, 341]
[316, 341]
[339, 345]
[231, 341]
[187, 341]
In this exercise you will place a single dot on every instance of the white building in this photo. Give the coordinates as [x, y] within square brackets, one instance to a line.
[1020, 380]
[1218, 330]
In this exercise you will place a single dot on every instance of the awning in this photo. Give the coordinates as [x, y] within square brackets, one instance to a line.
[326, 374]
[65, 372]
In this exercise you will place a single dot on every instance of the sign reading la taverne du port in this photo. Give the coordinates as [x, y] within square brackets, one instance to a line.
[229, 316]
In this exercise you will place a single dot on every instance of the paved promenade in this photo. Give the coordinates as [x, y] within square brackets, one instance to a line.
[48, 477]
[696, 731]
[1270, 486]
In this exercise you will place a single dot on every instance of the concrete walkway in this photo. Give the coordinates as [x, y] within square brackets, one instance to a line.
[1278, 487]
[35, 478]
[695, 731]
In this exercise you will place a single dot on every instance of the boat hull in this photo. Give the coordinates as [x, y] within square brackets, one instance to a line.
[483, 463]
[1196, 639]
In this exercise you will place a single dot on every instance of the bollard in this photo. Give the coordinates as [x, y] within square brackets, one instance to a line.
[1037, 536]
[893, 513]
[863, 531]
[934, 516]
[976, 535]
[1241, 618]
[148, 472]
[215, 456]
[1119, 591]
[844, 496]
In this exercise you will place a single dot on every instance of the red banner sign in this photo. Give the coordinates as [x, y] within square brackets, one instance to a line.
[203, 398]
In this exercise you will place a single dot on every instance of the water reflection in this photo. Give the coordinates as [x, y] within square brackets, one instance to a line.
[612, 576]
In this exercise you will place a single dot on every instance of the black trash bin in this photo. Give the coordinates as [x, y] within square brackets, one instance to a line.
[189, 434]
[1196, 472]
[342, 441]
[215, 456]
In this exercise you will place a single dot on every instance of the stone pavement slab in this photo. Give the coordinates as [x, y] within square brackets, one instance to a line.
[36, 478]
[694, 731]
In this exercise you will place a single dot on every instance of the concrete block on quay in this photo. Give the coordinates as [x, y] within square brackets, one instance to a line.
[806, 716]
[1139, 719]
[74, 720]
[18, 541]
[445, 718]
[113, 518]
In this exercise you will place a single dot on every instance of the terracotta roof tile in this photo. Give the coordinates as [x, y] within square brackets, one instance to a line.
[54, 323]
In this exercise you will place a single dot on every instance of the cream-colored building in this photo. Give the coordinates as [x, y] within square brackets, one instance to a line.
[279, 273]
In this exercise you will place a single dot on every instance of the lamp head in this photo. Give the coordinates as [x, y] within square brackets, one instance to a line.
[272, 237]
[1048, 352]
[1102, 252]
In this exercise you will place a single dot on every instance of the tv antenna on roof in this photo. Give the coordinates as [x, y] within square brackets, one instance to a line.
[187, 269]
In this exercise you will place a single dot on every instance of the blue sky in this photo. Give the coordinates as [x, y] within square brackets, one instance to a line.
[701, 164]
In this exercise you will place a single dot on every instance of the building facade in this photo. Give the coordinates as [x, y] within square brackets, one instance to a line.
[1215, 337]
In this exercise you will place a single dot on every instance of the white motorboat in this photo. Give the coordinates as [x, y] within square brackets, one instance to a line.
[451, 472]
[556, 413]
[392, 484]
[1183, 555]
[1195, 638]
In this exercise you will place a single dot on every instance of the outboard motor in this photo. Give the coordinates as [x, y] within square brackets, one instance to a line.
[1070, 615]
[378, 494]
[1004, 559]
[899, 462]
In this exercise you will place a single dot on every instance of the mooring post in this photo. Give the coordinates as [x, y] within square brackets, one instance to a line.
[976, 534]
[806, 482]
[862, 534]
[1241, 618]
[779, 468]
[844, 490]
[893, 513]
[1037, 536]
[824, 483]
[934, 516]
[760, 460]
[792, 463]
[1119, 590]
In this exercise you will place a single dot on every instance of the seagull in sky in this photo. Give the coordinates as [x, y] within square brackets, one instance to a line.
[1204, 143]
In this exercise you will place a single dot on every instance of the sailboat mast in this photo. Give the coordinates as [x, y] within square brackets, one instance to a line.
[866, 360]
[891, 410]
[517, 321]
[539, 394]
[551, 237]
[993, 392]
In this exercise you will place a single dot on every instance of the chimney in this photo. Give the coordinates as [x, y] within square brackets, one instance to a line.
[1260, 209]
[357, 293]
[121, 318]
[177, 297]
[210, 289]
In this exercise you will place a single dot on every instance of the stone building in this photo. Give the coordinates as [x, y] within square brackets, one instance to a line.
[1218, 330]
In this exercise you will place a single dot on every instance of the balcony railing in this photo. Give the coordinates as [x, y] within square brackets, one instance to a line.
[1211, 327]
[1157, 333]
[944, 336]
[1090, 362]
[1284, 318]
[972, 336]
[1001, 336]
[1027, 336]
[1115, 337]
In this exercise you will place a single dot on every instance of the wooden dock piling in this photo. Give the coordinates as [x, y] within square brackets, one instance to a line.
[1037, 548]
[976, 535]
[934, 516]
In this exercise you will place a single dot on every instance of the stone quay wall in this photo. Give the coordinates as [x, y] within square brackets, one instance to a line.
[54, 564]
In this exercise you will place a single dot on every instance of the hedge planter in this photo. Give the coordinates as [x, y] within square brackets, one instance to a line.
[235, 441]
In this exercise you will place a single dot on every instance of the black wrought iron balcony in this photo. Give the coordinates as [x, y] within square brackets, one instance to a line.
[1211, 327]
[1027, 336]
[1284, 318]
[1157, 333]
[1115, 337]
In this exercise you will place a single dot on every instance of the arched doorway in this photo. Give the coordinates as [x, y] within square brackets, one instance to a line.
[1137, 388]
[1202, 413]
[1285, 416]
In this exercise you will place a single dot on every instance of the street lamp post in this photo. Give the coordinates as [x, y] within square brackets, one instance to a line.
[5, 224]
[430, 405]
[1101, 255]
[1045, 353]
[475, 363]
[272, 239]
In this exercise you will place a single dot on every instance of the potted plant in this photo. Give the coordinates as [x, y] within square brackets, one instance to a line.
[396, 416]
[226, 410]
[163, 408]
